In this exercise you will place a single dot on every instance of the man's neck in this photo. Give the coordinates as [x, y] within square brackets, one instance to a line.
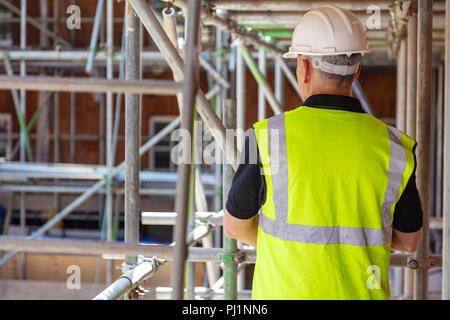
[333, 91]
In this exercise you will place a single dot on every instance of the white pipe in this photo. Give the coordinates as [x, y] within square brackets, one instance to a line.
[94, 35]
[262, 65]
[127, 281]
[241, 71]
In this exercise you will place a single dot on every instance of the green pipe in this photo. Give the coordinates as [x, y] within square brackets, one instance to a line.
[38, 112]
[229, 245]
[189, 270]
[378, 43]
[260, 79]
[23, 128]
[277, 33]
[20, 118]
[266, 26]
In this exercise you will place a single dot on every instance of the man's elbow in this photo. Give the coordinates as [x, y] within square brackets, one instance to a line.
[410, 248]
[407, 242]
[229, 232]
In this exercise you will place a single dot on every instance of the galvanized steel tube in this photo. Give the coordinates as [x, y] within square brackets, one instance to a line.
[190, 87]
[94, 35]
[132, 131]
[411, 81]
[229, 244]
[446, 164]
[401, 86]
[424, 104]
[262, 65]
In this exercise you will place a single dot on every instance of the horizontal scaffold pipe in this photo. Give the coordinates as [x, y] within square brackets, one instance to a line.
[114, 249]
[66, 84]
[147, 57]
[169, 218]
[293, 5]
[80, 189]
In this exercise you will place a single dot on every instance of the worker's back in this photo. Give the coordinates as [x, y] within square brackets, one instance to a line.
[333, 179]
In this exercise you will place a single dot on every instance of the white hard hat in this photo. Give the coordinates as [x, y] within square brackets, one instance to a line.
[328, 30]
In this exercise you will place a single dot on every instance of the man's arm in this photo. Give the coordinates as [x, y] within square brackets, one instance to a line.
[240, 229]
[247, 194]
[406, 241]
[407, 224]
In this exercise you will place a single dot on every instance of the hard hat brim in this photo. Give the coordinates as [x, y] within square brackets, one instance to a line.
[294, 54]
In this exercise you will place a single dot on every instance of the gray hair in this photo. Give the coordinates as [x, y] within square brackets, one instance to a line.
[340, 60]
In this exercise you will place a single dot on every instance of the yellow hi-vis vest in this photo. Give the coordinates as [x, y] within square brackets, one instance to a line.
[333, 179]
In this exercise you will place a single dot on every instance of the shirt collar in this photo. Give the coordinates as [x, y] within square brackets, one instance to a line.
[335, 102]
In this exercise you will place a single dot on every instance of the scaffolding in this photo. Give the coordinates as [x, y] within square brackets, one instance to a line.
[406, 34]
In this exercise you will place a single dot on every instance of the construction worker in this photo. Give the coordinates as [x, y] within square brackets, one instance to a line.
[334, 186]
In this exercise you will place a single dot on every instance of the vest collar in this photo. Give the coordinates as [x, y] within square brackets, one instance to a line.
[335, 102]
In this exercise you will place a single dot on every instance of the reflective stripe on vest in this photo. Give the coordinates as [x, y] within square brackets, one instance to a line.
[281, 229]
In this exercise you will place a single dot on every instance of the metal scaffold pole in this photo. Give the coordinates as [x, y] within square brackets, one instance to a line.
[240, 95]
[23, 106]
[217, 167]
[190, 87]
[411, 81]
[446, 164]
[279, 82]
[94, 35]
[411, 97]
[424, 104]
[109, 131]
[401, 86]
[262, 65]
[229, 245]
[132, 132]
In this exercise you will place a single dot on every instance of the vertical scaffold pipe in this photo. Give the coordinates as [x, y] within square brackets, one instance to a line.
[424, 105]
[190, 87]
[401, 86]
[279, 82]
[109, 130]
[411, 81]
[23, 103]
[94, 35]
[446, 165]
[262, 65]
[132, 131]
[411, 97]
[241, 72]
[229, 245]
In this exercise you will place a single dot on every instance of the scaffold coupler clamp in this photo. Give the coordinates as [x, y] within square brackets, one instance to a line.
[155, 261]
[125, 267]
[236, 257]
[415, 264]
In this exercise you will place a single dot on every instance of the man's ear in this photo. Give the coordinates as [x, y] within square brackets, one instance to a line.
[357, 73]
[307, 70]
